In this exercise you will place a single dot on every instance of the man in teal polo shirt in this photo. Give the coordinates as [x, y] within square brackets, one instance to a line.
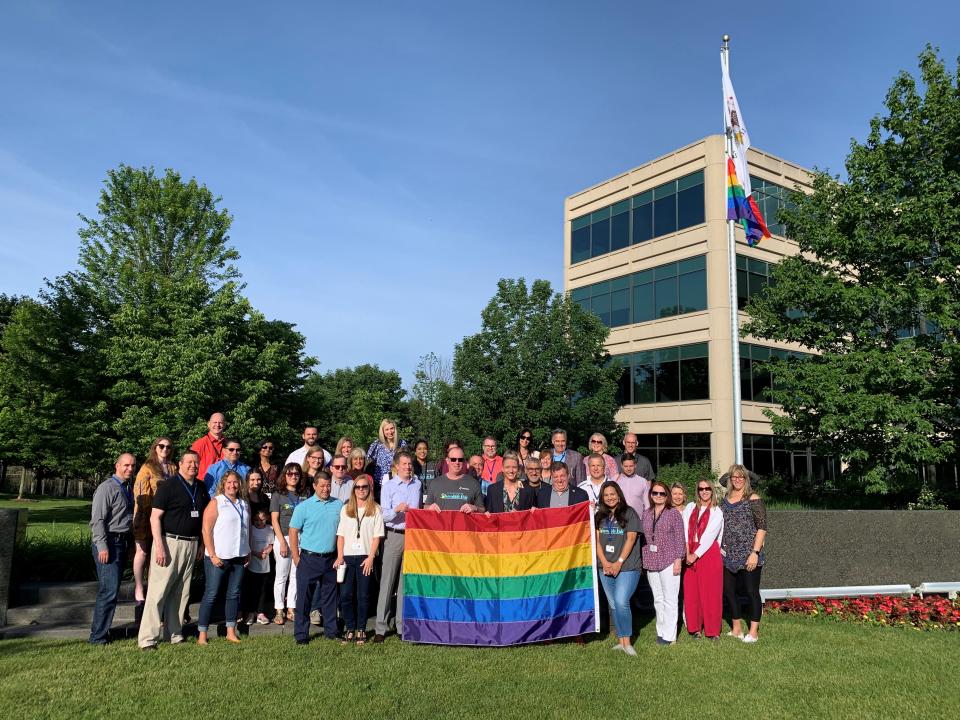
[313, 547]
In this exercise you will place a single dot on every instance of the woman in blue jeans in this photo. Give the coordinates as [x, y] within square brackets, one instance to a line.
[618, 553]
[226, 540]
[359, 534]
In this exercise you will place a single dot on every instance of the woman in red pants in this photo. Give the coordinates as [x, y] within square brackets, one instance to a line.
[703, 579]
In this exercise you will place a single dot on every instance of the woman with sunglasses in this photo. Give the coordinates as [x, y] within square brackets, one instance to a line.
[744, 532]
[525, 449]
[157, 467]
[282, 505]
[598, 446]
[703, 578]
[618, 554]
[264, 461]
[663, 559]
[359, 535]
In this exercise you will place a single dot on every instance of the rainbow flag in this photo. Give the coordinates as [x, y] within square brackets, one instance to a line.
[506, 579]
[743, 208]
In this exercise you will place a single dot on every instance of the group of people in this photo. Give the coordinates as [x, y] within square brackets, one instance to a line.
[323, 523]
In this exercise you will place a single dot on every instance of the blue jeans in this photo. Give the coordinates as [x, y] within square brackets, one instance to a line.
[355, 618]
[108, 587]
[619, 590]
[232, 571]
[316, 577]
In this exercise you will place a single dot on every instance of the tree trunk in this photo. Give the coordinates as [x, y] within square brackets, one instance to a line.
[23, 482]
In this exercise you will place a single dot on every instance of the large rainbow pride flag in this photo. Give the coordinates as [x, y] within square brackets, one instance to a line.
[504, 579]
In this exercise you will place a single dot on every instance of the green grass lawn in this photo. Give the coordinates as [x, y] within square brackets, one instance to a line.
[801, 668]
[57, 544]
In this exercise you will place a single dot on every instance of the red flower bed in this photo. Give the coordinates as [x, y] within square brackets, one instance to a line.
[933, 612]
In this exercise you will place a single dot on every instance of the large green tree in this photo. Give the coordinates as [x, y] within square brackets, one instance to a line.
[876, 292]
[147, 337]
[538, 361]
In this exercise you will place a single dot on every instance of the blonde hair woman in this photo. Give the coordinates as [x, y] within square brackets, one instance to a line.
[344, 446]
[383, 449]
[598, 445]
[358, 537]
[744, 532]
[703, 578]
[356, 462]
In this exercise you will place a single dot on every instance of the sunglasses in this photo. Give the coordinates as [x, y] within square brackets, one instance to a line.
[361, 487]
[288, 473]
[596, 442]
[162, 446]
[339, 467]
[233, 449]
[704, 489]
[266, 447]
[657, 493]
[526, 437]
[460, 459]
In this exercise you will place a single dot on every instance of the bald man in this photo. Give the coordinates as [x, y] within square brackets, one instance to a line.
[111, 520]
[209, 448]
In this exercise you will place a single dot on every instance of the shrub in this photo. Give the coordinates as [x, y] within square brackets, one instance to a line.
[687, 474]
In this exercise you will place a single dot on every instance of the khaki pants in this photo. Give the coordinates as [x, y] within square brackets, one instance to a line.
[168, 593]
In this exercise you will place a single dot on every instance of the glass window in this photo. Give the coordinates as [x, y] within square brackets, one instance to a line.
[668, 381]
[665, 303]
[643, 386]
[601, 306]
[665, 215]
[693, 291]
[761, 382]
[643, 223]
[643, 302]
[580, 245]
[600, 238]
[746, 379]
[620, 231]
[695, 379]
[742, 292]
[619, 308]
[690, 210]
[623, 387]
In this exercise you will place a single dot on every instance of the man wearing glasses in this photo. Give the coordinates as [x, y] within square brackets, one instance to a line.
[230, 461]
[456, 490]
[492, 463]
[342, 484]
[400, 493]
[532, 466]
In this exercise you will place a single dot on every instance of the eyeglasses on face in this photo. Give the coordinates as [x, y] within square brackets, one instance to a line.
[657, 493]
[526, 437]
[162, 446]
[233, 449]
[339, 467]
[596, 442]
[266, 447]
[455, 459]
[361, 487]
[704, 489]
[288, 473]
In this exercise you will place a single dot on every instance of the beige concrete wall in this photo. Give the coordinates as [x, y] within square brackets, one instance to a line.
[712, 325]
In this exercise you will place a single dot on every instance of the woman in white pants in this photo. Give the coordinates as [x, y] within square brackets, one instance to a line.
[282, 504]
[663, 552]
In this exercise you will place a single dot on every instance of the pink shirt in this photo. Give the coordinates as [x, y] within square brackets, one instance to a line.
[636, 491]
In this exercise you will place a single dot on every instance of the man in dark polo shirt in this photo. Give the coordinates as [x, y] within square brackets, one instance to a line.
[176, 521]
[456, 490]
[313, 547]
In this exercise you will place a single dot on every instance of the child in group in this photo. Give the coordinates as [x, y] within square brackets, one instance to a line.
[253, 594]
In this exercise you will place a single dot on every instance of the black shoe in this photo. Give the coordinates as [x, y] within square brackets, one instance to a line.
[149, 647]
[378, 638]
[302, 642]
[138, 613]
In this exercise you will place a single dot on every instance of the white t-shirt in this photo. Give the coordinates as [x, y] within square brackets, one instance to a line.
[358, 534]
[300, 454]
[261, 537]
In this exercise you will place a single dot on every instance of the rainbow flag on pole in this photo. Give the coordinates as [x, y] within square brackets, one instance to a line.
[506, 579]
[741, 207]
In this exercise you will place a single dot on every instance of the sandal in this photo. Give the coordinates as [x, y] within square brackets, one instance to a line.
[290, 614]
[347, 638]
[361, 637]
[278, 618]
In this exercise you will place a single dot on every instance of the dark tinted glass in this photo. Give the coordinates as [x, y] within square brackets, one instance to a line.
[601, 306]
[580, 245]
[761, 382]
[620, 231]
[701, 440]
[690, 207]
[762, 462]
[665, 302]
[668, 381]
[643, 223]
[695, 379]
[665, 215]
[746, 379]
[600, 238]
[623, 387]
[757, 283]
[643, 383]
[742, 289]
[643, 302]
[693, 291]
[619, 308]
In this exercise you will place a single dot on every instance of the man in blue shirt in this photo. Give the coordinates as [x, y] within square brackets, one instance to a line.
[230, 461]
[400, 493]
[313, 547]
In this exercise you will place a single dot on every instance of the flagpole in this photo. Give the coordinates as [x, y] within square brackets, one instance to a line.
[732, 269]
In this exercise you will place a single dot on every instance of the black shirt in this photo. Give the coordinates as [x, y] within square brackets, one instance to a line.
[178, 499]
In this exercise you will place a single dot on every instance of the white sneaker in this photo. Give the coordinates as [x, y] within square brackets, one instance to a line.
[618, 646]
[750, 639]
[628, 649]
[738, 637]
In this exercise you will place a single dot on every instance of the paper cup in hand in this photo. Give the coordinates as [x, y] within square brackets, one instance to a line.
[342, 573]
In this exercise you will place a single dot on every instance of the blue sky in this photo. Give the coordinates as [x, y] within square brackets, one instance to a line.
[387, 163]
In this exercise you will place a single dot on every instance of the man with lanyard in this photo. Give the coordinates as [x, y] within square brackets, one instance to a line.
[176, 522]
[310, 436]
[341, 484]
[596, 467]
[313, 545]
[492, 463]
[400, 493]
[571, 458]
[230, 461]
[559, 493]
[642, 466]
[209, 448]
[111, 520]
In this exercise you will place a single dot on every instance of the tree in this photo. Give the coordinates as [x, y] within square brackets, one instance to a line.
[433, 403]
[538, 361]
[353, 401]
[876, 292]
[148, 337]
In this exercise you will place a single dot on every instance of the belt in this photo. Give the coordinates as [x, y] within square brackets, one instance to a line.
[311, 552]
[399, 532]
[182, 537]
